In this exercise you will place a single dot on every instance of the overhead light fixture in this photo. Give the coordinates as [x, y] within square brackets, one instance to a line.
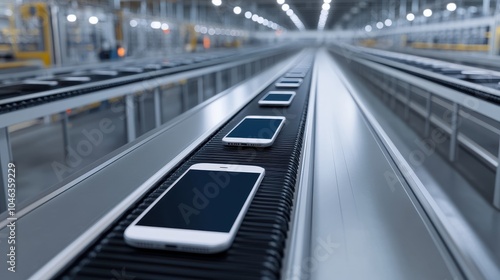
[237, 10]
[388, 22]
[217, 2]
[164, 26]
[410, 17]
[255, 17]
[325, 6]
[451, 7]
[134, 23]
[289, 12]
[380, 25]
[327, 1]
[155, 24]
[248, 15]
[280, 1]
[427, 12]
[285, 7]
[93, 20]
[368, 28]
[71, 18]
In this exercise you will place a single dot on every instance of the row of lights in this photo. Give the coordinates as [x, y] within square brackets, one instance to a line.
[289, 12]
[410, 17]
[154, 24]
[73, 18]
[217, 31]
[260, 20]
[323, 17]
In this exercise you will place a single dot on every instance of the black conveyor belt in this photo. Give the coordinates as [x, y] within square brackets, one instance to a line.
[258, 248]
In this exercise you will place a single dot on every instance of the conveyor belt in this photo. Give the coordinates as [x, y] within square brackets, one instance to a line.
[485, 85]
[258, 248]
[99, 82]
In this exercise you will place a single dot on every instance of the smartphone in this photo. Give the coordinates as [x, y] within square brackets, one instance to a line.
[200, 212]
[289, 82]
[277, 98]
[258, 131]
[295, 74]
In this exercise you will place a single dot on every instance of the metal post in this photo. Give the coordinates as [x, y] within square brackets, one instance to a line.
[5, 159]
[163, 9]
[200, 89]
[142, 111]
[248, 70]
[218, 82]
[130, 114]
[496, 194]
[157, 102]
[454, 133]
[486, 8]
[428, 109]
[65, 130]
[234, 75]
[184, 96]
[408, 101]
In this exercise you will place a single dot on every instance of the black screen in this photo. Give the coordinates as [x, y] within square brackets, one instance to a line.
[202, 200]
[256, 128]
[278, 97]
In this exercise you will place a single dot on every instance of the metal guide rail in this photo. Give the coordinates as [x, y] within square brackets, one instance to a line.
[258, 248]
[36, 91]
[445, 109]
[484, 84]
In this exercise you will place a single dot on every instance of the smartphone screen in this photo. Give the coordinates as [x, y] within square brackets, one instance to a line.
[202, 200]
[256, 128]
[278, 97]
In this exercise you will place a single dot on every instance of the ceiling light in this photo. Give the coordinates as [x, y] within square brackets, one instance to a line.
[327, 1]
[289, 12]
[380, 25]
[388, 22]
[260, 20]
[133, 23]
[156, 25]
[71, 18]
[285, 7]
[248, 15]
[93, 20]
[164, 26]
[280, 1]
[368, 28]
[217, 2]
[237, 10]
[410, 17]
[326, 6]
[427, 12]
[255, 17]
[451, 7]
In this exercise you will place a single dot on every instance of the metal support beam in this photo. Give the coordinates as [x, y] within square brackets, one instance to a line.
[454, 132]
[5, 159]
[142, 112]
[130, 116]
[157, 103]
[65, 132]
[486, 8]
[218, 82]
[428, 115]
[496, 194]
[200, 89]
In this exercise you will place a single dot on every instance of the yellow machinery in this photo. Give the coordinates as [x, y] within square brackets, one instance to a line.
[33, 38]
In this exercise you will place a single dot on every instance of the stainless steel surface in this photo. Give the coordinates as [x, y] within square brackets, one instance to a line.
[5, 159]
[130, 117]
[465, 221]
[157, 106]
[110, 190]
[298, 246]
[364, 225]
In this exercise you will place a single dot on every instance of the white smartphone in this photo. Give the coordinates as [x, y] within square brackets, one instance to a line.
[258, 131]
[200, 212]
[277, 98]
[289, 83]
